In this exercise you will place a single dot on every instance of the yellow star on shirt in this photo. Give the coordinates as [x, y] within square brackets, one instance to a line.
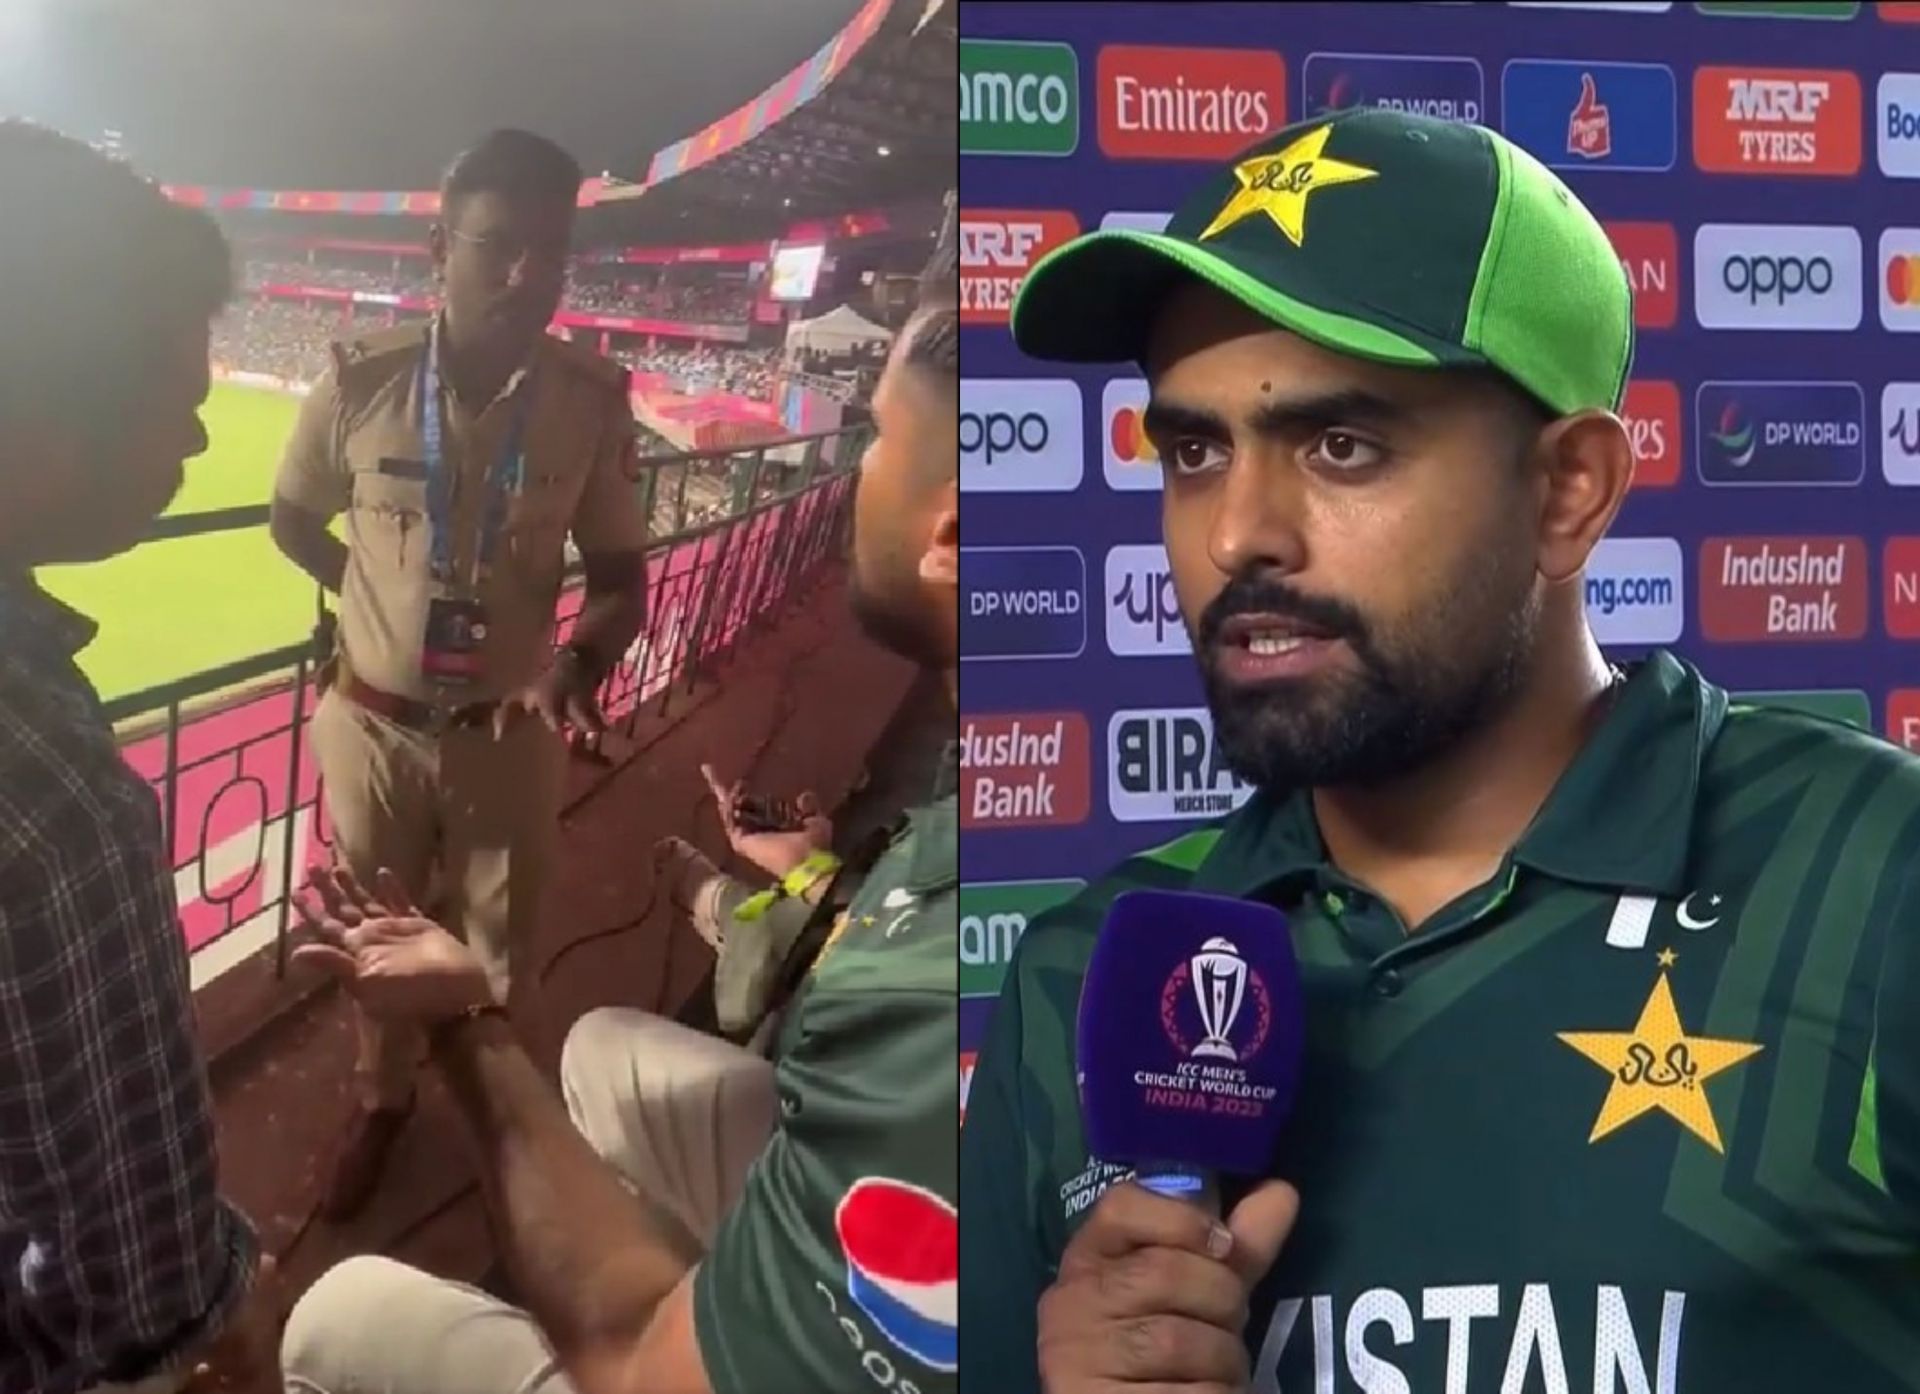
[1279, 185]
[1658, 1066]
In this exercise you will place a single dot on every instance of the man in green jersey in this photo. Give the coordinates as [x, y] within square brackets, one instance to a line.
[832, 1267]
[1613, 1019]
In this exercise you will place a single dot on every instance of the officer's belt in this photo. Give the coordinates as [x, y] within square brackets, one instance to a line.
[416, 716]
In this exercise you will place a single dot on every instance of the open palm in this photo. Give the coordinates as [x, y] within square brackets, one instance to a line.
[399, 965]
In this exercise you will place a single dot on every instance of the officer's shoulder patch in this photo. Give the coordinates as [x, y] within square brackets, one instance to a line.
[602, 370]
[352, 357]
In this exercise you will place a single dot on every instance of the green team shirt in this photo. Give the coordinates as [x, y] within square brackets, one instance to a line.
[838, 1268]
[1640, 1114]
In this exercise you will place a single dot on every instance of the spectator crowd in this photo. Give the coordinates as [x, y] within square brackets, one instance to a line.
[725, 301]
[744, 372]
[281, 338]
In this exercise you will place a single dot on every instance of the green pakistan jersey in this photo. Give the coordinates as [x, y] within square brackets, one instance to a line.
[837, 1270]
[1640, 1114]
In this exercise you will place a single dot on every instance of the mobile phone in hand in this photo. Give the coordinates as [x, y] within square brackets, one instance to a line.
[758, 815]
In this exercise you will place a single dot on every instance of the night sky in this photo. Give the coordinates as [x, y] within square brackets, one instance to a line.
[379, 94]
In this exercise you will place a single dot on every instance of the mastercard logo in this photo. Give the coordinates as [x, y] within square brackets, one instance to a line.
[1903, 279]
[1127, 434]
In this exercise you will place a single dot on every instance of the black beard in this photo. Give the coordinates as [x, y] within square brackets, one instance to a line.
[1395, 714]
[890, 624]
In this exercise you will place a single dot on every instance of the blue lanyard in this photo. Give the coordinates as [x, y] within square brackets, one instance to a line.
[503, 482]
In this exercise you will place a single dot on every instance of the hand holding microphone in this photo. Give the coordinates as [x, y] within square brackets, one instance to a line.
[1190, 1039]
[1153, 1292]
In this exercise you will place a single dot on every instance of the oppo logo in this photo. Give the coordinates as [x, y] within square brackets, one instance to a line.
[997, 434]
[1776, 278]
[1020, 436]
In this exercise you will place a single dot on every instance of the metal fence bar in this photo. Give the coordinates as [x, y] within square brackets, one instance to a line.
[744, 567]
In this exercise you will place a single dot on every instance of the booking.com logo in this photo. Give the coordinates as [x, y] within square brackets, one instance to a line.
[1610, 594]
[1635, 590]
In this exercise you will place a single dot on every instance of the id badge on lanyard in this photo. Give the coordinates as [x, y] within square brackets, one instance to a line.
[456, 630]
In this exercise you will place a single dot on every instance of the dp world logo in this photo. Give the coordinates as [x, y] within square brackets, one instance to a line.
[1211, 991]
[1733, 434]
[1779, 433]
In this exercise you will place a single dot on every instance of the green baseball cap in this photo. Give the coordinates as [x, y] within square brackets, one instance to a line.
[1391, 237]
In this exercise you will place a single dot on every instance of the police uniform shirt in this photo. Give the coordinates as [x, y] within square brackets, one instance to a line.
[356, 449]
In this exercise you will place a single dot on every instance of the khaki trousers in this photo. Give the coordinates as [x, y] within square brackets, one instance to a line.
[469, 824]
[680, 1114]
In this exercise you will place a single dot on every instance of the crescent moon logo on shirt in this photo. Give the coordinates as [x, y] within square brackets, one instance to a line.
[1692, 921]
[1633, 917]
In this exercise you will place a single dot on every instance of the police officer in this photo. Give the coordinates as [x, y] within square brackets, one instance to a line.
[462, 451]
[727, 1236]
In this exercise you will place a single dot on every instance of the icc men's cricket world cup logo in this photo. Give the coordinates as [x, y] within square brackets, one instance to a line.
[1221, 983]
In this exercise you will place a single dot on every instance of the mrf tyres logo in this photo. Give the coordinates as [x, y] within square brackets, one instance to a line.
[1018, 98]
[1143, 613]
[1783, 589]
[1188, 103]
[1776, 121]
[998, 246]
[1165, 765]
[1030, 770]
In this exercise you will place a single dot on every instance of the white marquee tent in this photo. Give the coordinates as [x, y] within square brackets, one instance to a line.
[835, 332]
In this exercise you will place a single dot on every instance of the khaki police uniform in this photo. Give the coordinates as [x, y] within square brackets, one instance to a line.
[468, 823]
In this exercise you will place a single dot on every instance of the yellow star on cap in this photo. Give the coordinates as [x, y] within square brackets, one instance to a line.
[1657, 1065]
[1279, 184]
[1667, 958]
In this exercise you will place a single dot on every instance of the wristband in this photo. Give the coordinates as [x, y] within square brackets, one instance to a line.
[793, 885]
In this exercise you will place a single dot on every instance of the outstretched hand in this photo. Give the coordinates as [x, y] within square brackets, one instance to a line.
[399, 965]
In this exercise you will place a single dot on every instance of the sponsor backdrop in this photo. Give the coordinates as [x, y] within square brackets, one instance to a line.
[1756, 182]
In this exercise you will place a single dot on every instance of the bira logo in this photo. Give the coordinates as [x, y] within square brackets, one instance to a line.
[1793, 121]
[998, 246]
[1188, 103]
[1783, 589]
[1025, 771]
[1166, 764]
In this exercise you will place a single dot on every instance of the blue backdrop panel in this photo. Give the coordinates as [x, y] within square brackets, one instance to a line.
[1759, 181]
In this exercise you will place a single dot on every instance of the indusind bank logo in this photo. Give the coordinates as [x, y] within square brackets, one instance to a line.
[1770, 590]
[1026, 770]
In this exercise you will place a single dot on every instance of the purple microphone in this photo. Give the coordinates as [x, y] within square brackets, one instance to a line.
[1190, 1040]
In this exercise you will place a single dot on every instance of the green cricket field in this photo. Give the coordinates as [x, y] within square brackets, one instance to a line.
[168, 610]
